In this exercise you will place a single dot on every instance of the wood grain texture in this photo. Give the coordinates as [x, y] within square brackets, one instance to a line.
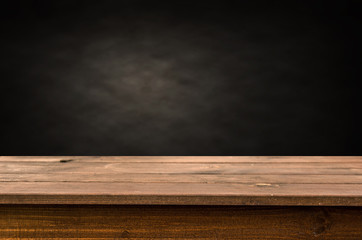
[312, 181]
[179, 222]
[187, 159]
[181, 178]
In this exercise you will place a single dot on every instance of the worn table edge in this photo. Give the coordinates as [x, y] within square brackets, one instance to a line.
[181, 200]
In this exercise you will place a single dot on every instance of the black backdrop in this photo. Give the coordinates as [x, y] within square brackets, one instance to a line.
[180, 77]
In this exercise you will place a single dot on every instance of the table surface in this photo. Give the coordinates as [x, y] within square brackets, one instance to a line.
[171, 180]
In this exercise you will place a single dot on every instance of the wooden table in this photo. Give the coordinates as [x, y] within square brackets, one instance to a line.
[181, 197]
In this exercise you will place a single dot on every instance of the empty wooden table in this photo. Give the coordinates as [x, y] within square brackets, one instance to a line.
[181, 197]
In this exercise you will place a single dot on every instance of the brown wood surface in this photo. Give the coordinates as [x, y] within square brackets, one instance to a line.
[179, 222]
[313, 181]
[189, 159]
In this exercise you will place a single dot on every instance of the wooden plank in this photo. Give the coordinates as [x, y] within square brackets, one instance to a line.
[182, 168]
[188, 159]
[57, 180]
[180, 193]
[181, 178]
[179, 222]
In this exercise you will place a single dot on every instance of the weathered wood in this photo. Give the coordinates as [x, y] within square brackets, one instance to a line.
[181, 193]
[182, 180]
[181, 197]
[179, 222]
[182, 168]
[187, 159]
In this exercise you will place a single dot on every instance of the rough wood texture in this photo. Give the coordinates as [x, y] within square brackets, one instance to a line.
[176, 191]
[313, 181]
[179, 222]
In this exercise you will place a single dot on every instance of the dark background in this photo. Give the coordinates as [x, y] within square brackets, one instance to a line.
[180, 77]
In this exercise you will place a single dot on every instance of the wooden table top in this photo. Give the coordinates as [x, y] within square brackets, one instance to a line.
[308, 181]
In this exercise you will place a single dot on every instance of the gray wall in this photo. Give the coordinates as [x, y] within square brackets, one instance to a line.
[166, 78]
